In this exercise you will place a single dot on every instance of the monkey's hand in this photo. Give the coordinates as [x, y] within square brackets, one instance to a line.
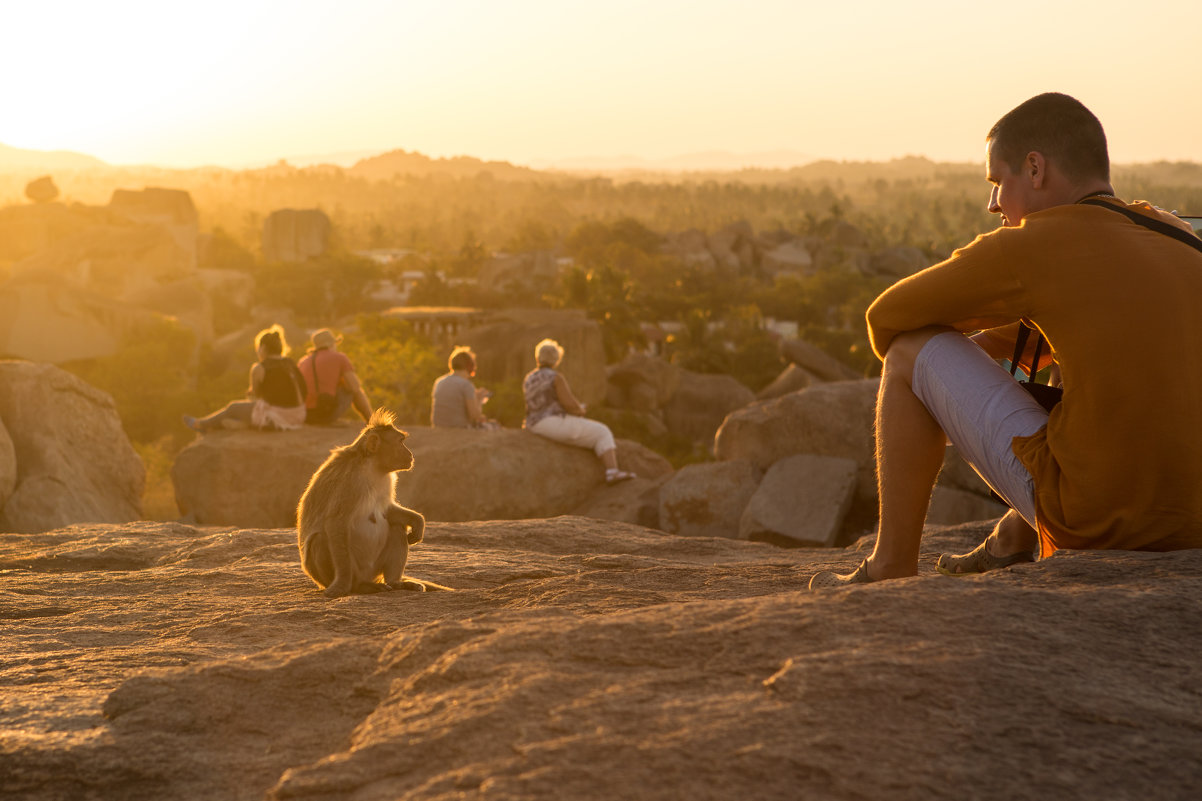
[411, 522]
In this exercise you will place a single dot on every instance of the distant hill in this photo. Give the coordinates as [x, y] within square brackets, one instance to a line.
[709, 161]
[400, 162]
[15, 158]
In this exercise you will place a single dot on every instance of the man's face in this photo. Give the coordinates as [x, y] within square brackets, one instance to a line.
[1013, 194]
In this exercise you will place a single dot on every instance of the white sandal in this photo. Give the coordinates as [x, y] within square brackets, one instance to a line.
[613, 475]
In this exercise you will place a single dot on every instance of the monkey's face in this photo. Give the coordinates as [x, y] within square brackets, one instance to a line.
[391, 452]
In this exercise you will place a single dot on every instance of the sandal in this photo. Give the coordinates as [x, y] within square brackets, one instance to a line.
[614, 476]
[829, 578]
[978, 560]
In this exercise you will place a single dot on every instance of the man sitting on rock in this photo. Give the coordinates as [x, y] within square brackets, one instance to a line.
[331, 386]
[1114, 289]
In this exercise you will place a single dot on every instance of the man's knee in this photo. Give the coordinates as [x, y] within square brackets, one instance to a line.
[905, 347]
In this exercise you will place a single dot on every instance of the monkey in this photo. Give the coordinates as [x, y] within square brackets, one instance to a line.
[352, 534]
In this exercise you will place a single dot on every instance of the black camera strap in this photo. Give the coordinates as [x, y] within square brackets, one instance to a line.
[1020, 344]
[1159, 226]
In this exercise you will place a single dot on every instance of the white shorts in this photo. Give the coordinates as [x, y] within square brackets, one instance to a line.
[982, 409]
[579, 431]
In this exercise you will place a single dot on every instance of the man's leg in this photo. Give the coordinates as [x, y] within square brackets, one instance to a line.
[963, 395]
[909, 454]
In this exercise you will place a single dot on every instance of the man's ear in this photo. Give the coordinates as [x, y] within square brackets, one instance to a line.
[1035, 169]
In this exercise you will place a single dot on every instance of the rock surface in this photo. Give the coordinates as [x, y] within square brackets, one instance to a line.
[73, 461]
[255, 479]
[588, 660]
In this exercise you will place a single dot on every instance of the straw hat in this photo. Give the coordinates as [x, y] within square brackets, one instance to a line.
[324, 338]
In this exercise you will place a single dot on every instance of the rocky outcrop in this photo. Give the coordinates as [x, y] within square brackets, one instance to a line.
[73, 461]
[44, 321]
[8, 466]
[169, 209]
[815, 361]
[707, 499]
[589, 660]
[641, 383]
[41, 190]
[791, 379]
[253, 478]
[701, 402]
[836, 420]
[824, 420]
[295, 235]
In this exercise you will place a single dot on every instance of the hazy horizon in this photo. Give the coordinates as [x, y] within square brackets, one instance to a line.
[536, 82]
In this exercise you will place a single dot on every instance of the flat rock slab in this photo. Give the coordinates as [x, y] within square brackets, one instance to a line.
[588, 660]
[255, 478]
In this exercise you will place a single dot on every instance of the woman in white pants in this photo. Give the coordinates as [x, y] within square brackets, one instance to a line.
[552, 411]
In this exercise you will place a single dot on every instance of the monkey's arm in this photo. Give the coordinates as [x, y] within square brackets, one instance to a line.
[409, 521]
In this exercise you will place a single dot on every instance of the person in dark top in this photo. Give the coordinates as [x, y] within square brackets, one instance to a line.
[276, 397]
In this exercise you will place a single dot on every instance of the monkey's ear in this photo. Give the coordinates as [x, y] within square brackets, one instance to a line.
[371, 443]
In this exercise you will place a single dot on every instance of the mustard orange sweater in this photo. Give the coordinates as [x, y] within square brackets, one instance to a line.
[1119, 464]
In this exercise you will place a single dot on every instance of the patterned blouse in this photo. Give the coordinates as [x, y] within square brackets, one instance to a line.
[541, 401]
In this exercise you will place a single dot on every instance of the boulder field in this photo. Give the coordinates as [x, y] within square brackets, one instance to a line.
[586, 659]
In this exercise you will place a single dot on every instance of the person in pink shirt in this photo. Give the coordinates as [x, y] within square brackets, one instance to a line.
[331, 386]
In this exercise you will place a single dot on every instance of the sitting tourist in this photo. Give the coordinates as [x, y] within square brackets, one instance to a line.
[455, 401]
[552, 411]
[331, 386]
[276, 397]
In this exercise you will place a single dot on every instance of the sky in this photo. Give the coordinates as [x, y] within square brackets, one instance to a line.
[246, 82]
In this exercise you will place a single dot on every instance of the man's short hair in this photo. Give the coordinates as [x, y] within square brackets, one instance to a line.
[462, 358]
[1058, 126]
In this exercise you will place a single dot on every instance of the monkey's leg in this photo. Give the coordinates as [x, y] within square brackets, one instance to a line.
[343, 582]
[396, 553]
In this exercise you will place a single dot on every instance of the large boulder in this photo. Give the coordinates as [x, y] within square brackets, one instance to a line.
[641, 383]
[8, 466]
[170, 209]
[252, 478]
[41, 190]
[816, 361]
[701, 402]
[634, 501]
[74, 463]
[791, 379]
[295, 235]
[801, 500]
[707, 499]
[110, 255]
[504, 348]
[44, 321]
[825, 420]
